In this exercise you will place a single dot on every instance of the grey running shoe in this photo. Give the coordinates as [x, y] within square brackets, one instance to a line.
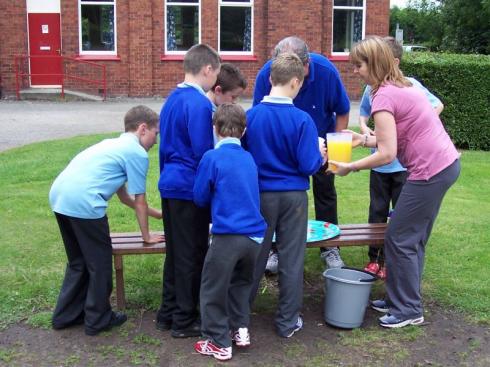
[272, 263]
[297, 327]
[390, 321]
[380, 305]
[332, 258]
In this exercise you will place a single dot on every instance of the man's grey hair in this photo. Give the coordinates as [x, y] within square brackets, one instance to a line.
[294, 45]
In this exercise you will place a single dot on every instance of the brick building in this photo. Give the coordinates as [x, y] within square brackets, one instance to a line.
[141, 43]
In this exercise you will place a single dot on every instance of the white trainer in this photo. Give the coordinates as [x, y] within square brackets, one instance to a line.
[241, 337]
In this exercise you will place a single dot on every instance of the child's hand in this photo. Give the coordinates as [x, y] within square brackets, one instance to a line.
[366, 129]
[154, 238]
[155, 213]
[323, 149]
[357, 139]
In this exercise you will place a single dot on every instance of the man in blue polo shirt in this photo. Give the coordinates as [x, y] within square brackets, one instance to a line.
[325, 99]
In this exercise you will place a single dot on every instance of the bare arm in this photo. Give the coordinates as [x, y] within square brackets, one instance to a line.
[128, 200]
[140, 206]
[342, 121]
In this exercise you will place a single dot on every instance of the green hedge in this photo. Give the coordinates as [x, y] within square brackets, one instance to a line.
[462, 82]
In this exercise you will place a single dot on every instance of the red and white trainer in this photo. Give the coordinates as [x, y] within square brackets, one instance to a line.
[241, 337]
[381, 273]
[207, 348]
[372, 268]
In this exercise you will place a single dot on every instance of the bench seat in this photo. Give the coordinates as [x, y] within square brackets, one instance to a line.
[132, 244]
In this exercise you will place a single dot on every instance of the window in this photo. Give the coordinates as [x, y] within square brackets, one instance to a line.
[182, 25]
[235, 27]
[348, 24]
[97, 27]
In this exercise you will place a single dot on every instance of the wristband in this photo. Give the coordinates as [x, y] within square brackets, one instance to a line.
[364, 142]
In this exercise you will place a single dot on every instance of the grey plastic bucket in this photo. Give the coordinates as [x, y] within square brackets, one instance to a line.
[346, 296]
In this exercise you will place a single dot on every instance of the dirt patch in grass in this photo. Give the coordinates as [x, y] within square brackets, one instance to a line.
[447, 339]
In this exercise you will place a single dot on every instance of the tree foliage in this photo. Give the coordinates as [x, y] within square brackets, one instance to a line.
[449, 25]
[466, 26]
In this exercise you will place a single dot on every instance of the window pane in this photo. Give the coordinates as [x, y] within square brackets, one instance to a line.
[184, 1]
[347, 29]
[235, 1]
[348, 2]
[98, 28]
[182, 27]
[235, 28]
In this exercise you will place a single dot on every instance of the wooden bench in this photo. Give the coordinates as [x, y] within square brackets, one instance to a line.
[132, 244]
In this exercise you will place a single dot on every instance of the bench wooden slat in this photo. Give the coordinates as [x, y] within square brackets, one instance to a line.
[130, 250]
[131, 235]
[363, 225]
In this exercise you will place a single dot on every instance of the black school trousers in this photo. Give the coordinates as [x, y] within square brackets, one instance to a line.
[384, 188]
[87, 285]
[325, 198]
[186, 240]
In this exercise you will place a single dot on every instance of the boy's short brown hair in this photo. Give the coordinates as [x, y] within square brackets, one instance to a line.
[230, 120]
[230, 78]
[139, 115]
[285, 67]
[395, 47]
[199, 56]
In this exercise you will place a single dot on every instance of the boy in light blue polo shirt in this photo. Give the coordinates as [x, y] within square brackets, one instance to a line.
[79, 197]
[385, 182]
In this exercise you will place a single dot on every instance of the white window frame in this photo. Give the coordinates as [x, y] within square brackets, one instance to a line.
[81, 51]
[338, 7]
[166, 4]
[240, 4]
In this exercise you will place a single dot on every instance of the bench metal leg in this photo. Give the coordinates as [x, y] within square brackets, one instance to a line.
[120, 296]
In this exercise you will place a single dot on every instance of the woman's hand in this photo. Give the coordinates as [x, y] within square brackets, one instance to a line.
[342, 168]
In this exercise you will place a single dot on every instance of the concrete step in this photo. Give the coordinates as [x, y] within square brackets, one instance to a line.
[54, 94]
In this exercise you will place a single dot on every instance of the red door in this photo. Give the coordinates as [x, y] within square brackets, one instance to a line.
[45, 49]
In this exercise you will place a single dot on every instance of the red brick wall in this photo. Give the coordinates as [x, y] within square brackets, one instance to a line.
[141, 71]
[13, 41]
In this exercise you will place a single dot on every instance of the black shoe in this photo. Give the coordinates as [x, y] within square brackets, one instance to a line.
[163, 325]
[188, 332]
[117, 319]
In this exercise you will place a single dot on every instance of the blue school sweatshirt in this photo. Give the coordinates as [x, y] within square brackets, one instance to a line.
[186, 133]
[322, 95]
[227, 180]
[284, 144]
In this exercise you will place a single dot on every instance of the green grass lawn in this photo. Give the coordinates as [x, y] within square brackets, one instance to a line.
[32, 257]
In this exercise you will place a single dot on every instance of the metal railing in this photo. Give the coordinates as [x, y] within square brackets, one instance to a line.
[74, 73]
